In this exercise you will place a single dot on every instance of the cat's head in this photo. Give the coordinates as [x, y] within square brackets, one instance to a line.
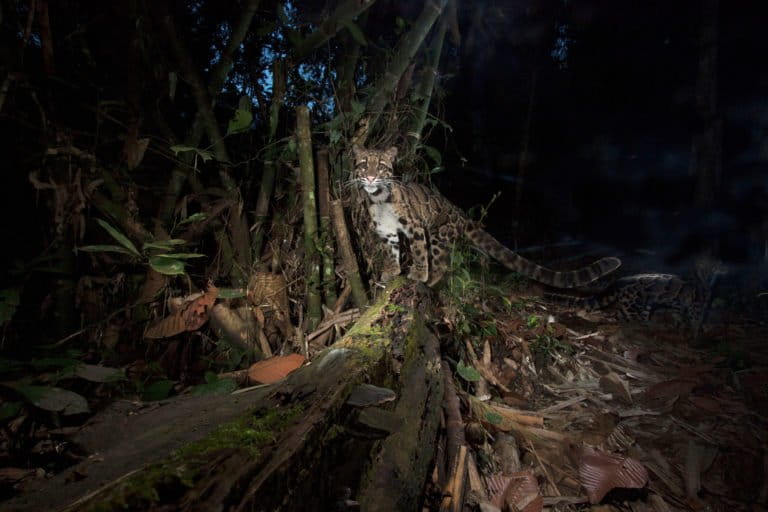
[374, 167]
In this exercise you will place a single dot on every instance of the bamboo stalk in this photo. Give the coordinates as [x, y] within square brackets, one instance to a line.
[347, 255]
[312, 255]
[406, 49]
[426, 87]
[270, 166]
[326, 238]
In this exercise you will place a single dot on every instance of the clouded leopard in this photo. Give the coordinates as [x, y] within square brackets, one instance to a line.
[432, 224]
[655, 299]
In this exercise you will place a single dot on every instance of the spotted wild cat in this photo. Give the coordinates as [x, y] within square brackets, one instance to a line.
[432, 224]
[657, 299]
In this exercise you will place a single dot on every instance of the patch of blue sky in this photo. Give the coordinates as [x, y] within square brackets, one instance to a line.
[561, 47]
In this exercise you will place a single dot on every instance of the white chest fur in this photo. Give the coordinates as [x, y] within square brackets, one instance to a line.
[385, 219]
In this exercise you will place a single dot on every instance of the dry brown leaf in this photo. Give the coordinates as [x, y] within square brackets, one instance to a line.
[706, 403]
[614, 384]
[273, 369]
[670, 388]
[190, 316]
[599, 473]
[522, 493]
[495, 485]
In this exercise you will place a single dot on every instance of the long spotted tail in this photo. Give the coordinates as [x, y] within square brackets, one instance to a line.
[513, 261]
[590, 303]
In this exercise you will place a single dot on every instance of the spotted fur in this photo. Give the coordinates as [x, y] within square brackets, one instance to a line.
[432, 224]
[655, 299]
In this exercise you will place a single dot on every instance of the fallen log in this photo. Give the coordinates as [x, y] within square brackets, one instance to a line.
[358, 424]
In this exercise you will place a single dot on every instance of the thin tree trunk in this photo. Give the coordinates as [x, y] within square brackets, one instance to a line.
[326, 238]
[46, 37]
[347, 254]
[309, 202]
[406, 49]
[426, 87]
[270, 165]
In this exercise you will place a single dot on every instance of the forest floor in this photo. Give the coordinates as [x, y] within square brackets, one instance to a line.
[561, 409]
[596, 409]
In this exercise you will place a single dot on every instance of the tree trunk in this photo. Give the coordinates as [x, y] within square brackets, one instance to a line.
[406, 49]
[270, 165]
[326, 235]
[426, 87]
[309, 202]
[294, 445]
[347, 254]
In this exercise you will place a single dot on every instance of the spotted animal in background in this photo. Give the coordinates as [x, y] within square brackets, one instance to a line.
[655, 299]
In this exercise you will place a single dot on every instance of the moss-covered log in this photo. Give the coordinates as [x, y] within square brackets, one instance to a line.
[363, 417]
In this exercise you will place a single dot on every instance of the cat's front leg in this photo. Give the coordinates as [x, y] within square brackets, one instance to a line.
[392, 265]
[420, 267]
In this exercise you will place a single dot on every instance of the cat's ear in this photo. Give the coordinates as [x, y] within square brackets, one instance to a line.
[391, 153]
[357, 151]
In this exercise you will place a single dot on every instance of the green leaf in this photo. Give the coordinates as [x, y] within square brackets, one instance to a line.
[195, 217]
[181, 255]
[493, 417]
[214, 386]
[9, 301]
[202, 153]
[9, 410]
[291, 146]
[167, 266]
[55, 363]
[231, 293]
[51, 398]
[335, 136]
[104, 248]
[181, 148]
[158, 390]
[164, 245]
[117, 235]
[433, 155]
[356, 33]
[8, 366]
[357, 108]
[240, 122]
[467, 372]
[97, 373]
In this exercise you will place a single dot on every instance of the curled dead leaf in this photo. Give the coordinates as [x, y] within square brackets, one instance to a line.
[189, 314]
[275, 368]
[601, 472]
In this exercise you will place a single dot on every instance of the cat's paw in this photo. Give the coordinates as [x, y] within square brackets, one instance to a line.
[420, 275]
[387, 276]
